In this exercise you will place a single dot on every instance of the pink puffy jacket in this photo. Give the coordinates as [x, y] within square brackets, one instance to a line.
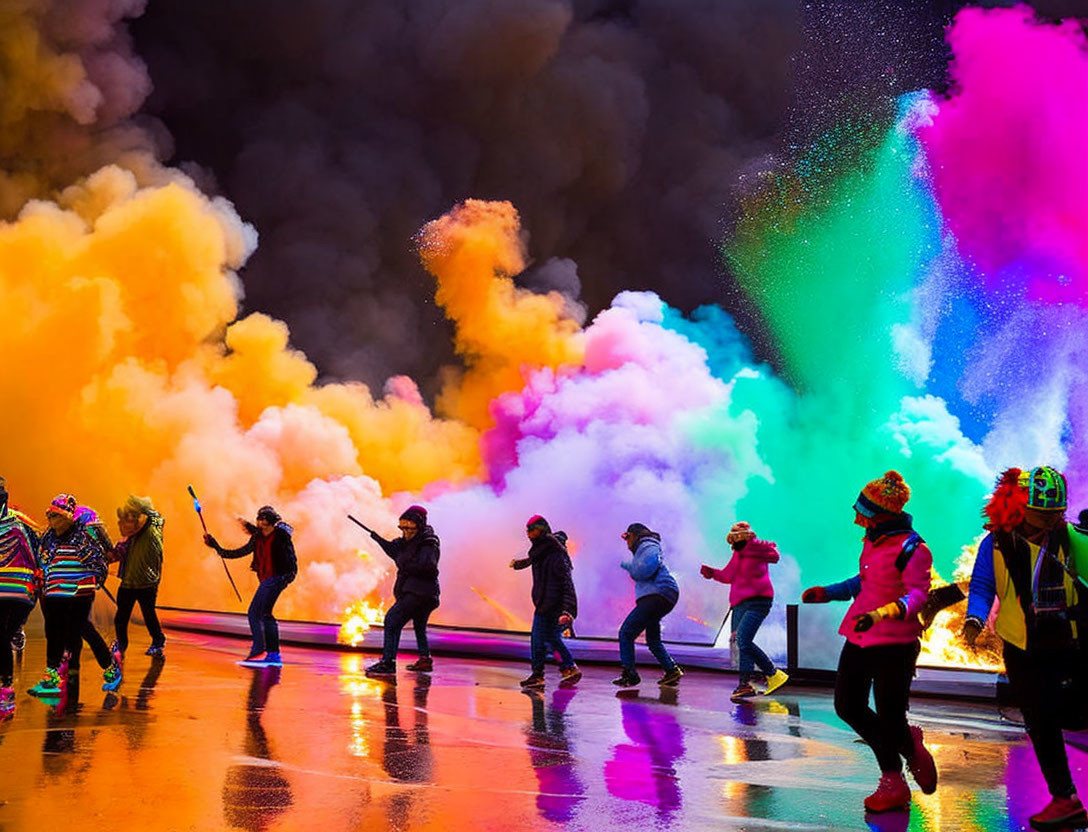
[747, 571]
[882, 583]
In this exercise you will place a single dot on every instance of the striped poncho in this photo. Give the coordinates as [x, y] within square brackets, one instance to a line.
[19, 566]
[73, 563]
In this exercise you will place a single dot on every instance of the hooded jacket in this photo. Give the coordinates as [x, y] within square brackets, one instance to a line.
[553, 579]
[284, 562]
[74, 563]
[417, 563]
[648, 571]
[747, 573]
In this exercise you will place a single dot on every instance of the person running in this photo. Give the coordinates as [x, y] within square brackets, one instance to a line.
[751, 595]
[275, 563]
[1025, 561]
[555, 601]
[656, 593]
[882, 632]
[19, 569]
[415, 590]
[139, 566]
[73, 558]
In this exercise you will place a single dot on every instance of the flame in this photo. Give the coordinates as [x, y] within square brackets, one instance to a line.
[358, 619]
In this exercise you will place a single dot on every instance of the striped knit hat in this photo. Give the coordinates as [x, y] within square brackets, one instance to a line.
[64, 505]
[740, 531]
[886, 495]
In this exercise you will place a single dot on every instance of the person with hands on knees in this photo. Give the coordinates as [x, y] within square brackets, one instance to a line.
[275, 563]
[751, 596]
[555, 601]
[656, 593]
[882, 632]
[415, 590]
[1028, 561]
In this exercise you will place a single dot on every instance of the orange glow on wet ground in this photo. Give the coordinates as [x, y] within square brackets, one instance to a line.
[199, 743]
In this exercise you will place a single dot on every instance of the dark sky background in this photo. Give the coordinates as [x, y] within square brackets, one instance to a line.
[620, 129]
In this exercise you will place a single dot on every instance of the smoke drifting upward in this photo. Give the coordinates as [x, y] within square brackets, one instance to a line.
[339, 127]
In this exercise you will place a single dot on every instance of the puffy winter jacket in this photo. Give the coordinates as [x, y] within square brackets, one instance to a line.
[747, 572]
[74, 564]
[648, 571]
[553, 579]
[19, 564]
[417, 563]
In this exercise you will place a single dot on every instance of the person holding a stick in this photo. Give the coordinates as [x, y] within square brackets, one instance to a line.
[415, 590]
[274, 562]
[139, 566]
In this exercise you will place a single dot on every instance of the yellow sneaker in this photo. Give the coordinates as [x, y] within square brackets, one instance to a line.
[775, 681]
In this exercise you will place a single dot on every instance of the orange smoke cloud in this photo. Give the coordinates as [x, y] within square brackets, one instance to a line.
[125, 372]
[474, 251]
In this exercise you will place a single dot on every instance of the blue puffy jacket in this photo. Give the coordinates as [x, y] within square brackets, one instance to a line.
[649, 572]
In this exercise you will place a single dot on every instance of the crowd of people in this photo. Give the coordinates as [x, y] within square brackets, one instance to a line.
[1031, 561]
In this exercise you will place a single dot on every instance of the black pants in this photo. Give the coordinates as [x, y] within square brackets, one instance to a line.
[414, 608]
[98, 646]
[12, 615]
[886, 670]
[126, 600]
[1035, 678]
[64, 622]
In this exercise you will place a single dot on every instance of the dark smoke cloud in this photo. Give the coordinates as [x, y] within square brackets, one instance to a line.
[339, 126]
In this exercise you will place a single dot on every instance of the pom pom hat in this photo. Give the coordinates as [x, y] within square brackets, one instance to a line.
[740, 531]
[64, 505]
[886, 495]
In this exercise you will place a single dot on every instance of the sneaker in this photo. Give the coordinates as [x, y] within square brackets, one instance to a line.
[629, 678]
[18, 641]
[382, 668]
[7, 703]
[273, 659]
[570, 675]
[534, 681]
[672, 677]
[254, 660]
[154, 650]
[892, 793]
[111, 678]
[50, 684]
[920, 762]
[742, 692]
[777, 680]
[1060, 813]
[424, 664]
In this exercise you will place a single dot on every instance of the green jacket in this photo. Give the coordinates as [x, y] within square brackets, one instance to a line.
[141, 555]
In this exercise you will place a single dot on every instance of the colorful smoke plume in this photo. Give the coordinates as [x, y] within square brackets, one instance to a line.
[921, 283]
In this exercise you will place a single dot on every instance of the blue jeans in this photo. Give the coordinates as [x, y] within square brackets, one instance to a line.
[647, 615]
[412, 608]
[747, 616]
[262, 624]
[547, 632]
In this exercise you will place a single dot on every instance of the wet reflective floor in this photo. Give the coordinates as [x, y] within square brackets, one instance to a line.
[196, 742]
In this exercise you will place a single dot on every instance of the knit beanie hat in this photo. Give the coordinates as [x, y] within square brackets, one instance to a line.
[886, 495]
[64, 505]
[415, 514]
[740, 531]
[268, 513]
[1046, 489]
[536, 521]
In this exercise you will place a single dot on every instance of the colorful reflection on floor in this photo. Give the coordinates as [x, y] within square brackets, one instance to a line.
[196, 742]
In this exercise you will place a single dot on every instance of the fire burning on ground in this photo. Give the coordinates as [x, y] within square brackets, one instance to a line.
[358, 619]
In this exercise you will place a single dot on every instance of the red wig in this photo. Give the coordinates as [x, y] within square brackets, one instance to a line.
[1005, 509]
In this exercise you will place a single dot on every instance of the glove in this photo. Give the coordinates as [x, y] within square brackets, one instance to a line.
[815, 595]
[707, 571]
[971, 630]
[866, 620]
[211, 542]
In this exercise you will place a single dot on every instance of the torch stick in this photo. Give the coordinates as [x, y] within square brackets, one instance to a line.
[362, 526]
[200, 514]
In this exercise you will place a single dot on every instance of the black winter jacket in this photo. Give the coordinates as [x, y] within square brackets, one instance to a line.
[417, 563]
[284, 561]
[553, 581]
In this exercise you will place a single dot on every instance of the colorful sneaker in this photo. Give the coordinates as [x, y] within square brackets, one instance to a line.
[892, 793]
[570, 675]
[7, 703]
[382, 668]
[273, 659]
[111, 678]
[254, 660]
[18, 641]
[920, 762]
[672, 677]
[424, 664]
[777, 680]
[742, 692]
[628, 678]
[50, 685]
[534, 681]
[1060, 813]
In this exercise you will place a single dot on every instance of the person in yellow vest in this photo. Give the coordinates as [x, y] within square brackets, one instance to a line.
[1029, 562]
